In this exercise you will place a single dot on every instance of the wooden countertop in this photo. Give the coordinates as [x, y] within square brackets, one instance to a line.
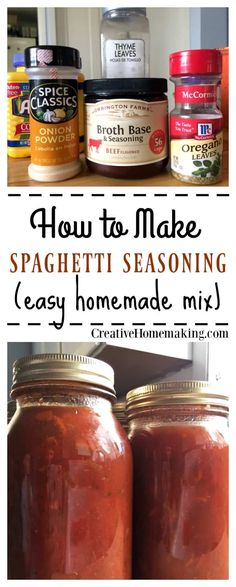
[18, 176]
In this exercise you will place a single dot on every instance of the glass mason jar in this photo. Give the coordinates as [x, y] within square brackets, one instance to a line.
[70, 472]
[124, 42]
[196, 123]
[119, 410]
[178, 433]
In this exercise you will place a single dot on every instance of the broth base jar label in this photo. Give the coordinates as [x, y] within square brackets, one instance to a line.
[126, 132]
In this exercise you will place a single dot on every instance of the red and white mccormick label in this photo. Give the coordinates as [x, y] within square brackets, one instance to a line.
[202, 94]
[196, 148]
[198, 128]
[126, 132]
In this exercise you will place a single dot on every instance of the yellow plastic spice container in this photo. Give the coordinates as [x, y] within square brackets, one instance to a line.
[18, 132]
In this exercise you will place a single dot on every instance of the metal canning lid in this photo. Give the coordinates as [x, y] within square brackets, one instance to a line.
[52, 56]
[119, 407]
[124, 86]
[67, 367]
[174, 393]
[119, 410]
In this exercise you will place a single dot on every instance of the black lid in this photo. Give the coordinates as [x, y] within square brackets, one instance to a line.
[51, 55]
[148, 85]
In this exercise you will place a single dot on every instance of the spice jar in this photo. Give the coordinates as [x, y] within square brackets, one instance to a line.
[126, 127]
[124, 42]
[196, 122]
[18, 132]
[70, 472]
[54, 126]
[178, 433]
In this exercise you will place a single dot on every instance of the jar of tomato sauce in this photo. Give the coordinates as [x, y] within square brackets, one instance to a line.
[178, 433]
[119, 410]
[70, 472]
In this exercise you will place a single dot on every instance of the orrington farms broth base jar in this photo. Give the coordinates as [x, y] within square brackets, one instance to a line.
[70, 472]
[126, 126]
[178, 432]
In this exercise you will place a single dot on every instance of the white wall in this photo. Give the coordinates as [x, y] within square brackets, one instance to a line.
[169, 32]
[79, 28]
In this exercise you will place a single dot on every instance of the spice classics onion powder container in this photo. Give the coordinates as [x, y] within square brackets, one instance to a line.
[196, 122]
[70, 472]
[179, 436]
[54, 125]
[126, 126]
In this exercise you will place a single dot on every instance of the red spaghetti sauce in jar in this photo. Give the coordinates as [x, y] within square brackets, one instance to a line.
[70, 473]
[178, 433]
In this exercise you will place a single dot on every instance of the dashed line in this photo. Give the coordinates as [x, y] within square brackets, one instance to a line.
[122, 324]
[198, 195]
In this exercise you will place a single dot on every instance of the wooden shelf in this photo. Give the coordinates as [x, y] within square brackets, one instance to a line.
[18, 176]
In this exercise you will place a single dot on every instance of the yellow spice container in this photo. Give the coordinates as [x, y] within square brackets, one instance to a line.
[18, 132]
